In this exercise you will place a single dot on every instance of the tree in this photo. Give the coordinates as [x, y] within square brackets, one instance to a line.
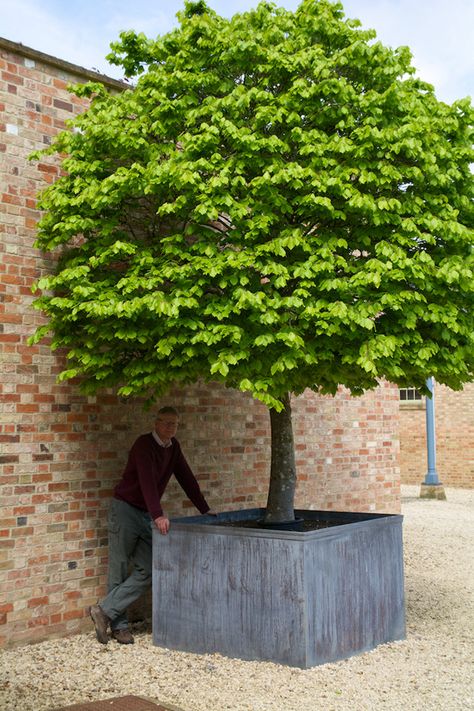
[277, 203]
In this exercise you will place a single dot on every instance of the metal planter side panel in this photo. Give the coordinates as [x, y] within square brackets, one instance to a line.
[238, 595]
[354, 589]
[299, 599]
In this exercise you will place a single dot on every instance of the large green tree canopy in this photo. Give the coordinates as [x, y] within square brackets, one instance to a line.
[276, 202]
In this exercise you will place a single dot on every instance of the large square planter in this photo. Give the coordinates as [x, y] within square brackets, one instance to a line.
[297, 598]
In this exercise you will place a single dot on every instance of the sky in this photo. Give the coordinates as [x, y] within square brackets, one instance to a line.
[440, 33]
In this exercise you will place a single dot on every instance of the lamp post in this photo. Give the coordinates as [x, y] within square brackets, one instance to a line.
[431, 488]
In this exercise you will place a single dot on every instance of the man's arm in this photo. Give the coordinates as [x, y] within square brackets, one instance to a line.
[189, 484]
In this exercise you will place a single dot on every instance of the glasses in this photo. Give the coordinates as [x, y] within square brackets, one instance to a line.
[168, 423]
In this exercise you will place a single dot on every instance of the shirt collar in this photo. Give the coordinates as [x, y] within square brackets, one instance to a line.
[160, 442]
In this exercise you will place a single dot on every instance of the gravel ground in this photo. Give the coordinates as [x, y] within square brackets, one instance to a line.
[432, 669]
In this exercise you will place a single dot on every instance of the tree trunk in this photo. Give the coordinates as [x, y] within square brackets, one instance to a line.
[281, 495]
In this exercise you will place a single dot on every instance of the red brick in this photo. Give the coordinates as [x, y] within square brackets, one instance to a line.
[23, 510]
[12, 78]
[38, 601]
[73, 614]
[38, 621]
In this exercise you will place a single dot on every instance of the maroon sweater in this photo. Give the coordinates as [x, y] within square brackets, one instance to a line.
[148, 471]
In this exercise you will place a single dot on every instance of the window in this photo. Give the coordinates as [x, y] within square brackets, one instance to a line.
[410, 394]
[411, 398]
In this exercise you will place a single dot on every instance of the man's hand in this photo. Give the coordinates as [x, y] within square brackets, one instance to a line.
[163, 524]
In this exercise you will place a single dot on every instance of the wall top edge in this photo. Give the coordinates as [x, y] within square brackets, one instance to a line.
[89, 74]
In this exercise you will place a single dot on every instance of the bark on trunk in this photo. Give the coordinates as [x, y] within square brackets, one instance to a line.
[281, 495]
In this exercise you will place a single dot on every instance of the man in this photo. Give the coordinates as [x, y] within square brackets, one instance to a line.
[136, 505]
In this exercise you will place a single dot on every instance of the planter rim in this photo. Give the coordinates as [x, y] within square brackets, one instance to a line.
[209, 525]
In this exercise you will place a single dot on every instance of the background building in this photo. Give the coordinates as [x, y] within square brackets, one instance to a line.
[454, 424]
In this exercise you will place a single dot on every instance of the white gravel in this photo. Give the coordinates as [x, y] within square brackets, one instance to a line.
[432, 669]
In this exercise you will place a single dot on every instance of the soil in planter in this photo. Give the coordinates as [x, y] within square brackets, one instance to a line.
[304, 525]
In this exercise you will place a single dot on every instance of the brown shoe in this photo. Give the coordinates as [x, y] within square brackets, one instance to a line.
[101, 622]
[123, 636]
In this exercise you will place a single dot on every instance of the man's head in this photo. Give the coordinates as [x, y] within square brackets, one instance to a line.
[166, 423]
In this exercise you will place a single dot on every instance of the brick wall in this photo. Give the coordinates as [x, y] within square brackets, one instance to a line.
[61, 453]
[348, 450]
[454, 423]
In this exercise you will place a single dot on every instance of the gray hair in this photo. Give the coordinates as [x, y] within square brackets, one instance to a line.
[167, 410]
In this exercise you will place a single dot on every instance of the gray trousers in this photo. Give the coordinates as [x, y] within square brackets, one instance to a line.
[130, 560]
